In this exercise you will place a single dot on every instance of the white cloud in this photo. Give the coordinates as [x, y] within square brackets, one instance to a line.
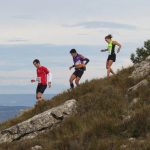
[103, 24]
[36, 21]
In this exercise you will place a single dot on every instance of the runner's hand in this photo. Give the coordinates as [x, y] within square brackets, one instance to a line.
[32, 81]
[118, 50]
[85, 67]
[49, 84]
[70, 68]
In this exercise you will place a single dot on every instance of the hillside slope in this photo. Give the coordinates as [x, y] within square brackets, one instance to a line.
[113, 114]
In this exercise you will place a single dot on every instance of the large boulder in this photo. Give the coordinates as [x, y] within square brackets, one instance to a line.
[140, 84]
[142, 69]
[39, 123]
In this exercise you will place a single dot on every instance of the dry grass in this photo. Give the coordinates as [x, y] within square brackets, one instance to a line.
[98, 125]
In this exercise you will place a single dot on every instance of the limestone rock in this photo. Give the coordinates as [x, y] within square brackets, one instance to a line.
[37, 147]
[148, 58]
[127, 118]
[132, 140]
[134, 101]
[123, 146]
[140, 84]
[141, 69]
[46, 120]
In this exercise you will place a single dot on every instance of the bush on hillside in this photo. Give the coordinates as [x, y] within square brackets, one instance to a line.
[141, 53]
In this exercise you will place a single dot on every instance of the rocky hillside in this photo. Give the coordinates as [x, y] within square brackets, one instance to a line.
[39, 123]
[102, 114]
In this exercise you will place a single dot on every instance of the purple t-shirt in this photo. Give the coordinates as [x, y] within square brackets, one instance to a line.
[79, 59]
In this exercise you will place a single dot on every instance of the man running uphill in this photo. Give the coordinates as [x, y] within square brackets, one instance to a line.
[111, 53]
[80, 63]
[44, 77]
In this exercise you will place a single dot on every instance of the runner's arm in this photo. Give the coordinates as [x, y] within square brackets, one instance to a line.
[86, 61]
[118, 44]
[104, 50]
[35, 80]
[49, 77]
[72, 66]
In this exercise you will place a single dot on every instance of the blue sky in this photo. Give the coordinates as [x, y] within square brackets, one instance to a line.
[47, 30]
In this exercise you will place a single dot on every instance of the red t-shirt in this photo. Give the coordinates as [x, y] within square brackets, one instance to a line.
[42, 73]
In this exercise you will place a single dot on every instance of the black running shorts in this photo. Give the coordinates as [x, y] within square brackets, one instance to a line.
[78, 73]
[112, 57]
[41, 88]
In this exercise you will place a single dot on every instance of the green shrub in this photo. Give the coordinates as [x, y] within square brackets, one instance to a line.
[141, 53]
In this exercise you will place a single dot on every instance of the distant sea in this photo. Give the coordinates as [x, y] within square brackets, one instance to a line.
[12, 104]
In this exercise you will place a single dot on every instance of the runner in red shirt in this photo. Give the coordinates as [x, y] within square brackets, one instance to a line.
[44, 77]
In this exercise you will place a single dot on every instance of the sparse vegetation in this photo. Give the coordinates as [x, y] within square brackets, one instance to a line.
[98, 125]
[141, 53]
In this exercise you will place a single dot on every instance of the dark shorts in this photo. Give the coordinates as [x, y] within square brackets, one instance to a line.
[78, 73]
[41, 88]
[112, 57]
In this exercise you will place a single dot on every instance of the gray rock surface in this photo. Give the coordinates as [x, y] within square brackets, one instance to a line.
[134, 102]
[39, 123]
[37, 147]
[141, 69]
[140, 84]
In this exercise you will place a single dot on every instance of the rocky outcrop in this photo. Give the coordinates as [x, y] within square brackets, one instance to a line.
[140, 84]
[141, 69]
[133, 102]
[39, 123]
[37, 147]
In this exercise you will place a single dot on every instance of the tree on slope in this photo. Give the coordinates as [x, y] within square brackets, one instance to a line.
[141, 53]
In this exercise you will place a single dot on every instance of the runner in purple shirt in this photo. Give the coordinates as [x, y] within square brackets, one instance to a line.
[80, 63]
